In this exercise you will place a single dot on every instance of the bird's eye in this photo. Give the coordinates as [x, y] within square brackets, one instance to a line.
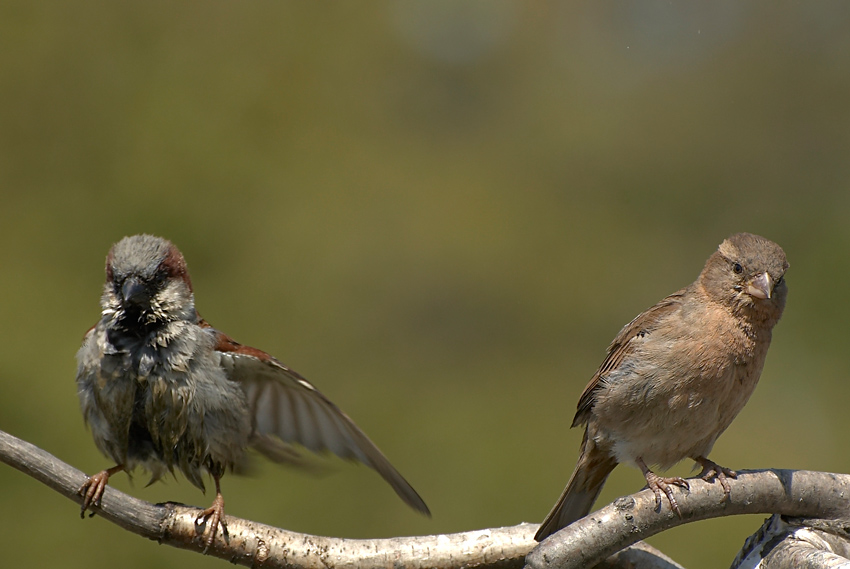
[779, 280]
[737, 268]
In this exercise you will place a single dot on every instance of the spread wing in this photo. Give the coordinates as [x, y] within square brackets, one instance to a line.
[644, 323]
[287, 406]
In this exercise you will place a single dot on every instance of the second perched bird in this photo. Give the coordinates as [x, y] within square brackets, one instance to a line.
[162, 389]
[677, 375]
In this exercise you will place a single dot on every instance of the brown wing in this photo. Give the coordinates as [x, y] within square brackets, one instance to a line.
[286, 405]
[622, 346]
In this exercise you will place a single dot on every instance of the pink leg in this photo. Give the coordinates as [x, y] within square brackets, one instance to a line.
[711, 469]
[214, 516]
[660, 484]
[92, 489]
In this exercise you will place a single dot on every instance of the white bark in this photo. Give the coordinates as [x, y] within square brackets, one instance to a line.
[816, 537]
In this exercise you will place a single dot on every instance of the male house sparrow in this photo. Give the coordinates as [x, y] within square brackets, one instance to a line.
[162, 389]
[677, 375]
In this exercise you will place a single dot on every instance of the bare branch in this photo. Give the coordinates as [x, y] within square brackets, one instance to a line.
[787, 543]
[639, 555]
[631, 518]
[253, 544]
[584, 543]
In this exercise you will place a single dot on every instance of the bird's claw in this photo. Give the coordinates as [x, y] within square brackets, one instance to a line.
[92, 491]
[214, 516]
[713, 471]
[659, 484]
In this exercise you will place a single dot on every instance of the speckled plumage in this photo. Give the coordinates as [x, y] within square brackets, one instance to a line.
[677, 375]
[162, 389]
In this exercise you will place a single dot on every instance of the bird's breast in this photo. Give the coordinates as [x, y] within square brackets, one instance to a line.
[677, 391]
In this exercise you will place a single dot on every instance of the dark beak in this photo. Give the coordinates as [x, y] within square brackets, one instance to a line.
[135, 292]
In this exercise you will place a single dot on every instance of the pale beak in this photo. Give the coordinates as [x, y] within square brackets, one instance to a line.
[761, 286]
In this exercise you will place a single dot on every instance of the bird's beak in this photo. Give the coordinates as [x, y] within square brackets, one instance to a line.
[134, 292]
[761, 286]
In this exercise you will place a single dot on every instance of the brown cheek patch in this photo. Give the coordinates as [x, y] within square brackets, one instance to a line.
[224, 343]
[175, 266]
[109, 274]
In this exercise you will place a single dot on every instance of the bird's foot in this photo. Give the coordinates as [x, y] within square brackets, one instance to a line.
[659, 484]
[213, 517]
[92, 489]
[712, 470]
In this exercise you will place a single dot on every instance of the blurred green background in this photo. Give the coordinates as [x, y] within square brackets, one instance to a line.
[439, 212]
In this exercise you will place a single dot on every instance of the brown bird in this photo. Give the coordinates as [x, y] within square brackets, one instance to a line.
[677, 375]
[162, 389]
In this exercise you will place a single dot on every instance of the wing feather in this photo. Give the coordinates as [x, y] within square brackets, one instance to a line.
[622, 346]
[289, 407]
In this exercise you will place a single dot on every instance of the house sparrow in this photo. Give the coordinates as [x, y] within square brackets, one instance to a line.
[677, 375]
[162, 389]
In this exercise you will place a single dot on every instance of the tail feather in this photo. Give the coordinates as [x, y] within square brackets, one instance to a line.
[581, 492]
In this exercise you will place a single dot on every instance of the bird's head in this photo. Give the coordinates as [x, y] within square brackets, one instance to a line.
[146, 283]
[747, 274]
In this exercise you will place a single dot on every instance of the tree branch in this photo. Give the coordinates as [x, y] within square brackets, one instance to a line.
[585, 543]
[632, 518]
[253, 544]
[788, 543]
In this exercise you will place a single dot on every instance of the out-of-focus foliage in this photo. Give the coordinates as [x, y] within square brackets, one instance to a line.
[439, 212]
